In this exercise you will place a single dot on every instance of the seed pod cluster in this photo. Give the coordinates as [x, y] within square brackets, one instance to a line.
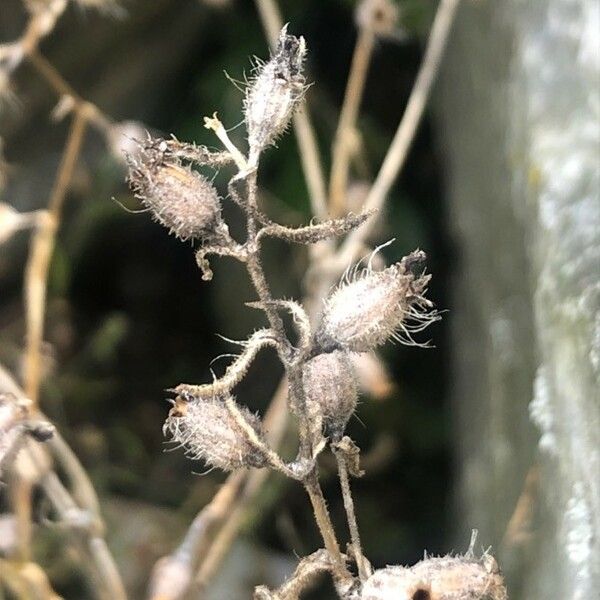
[207, 431]
[331, 392]
[179, 198]
[275, 93]
[369, 308]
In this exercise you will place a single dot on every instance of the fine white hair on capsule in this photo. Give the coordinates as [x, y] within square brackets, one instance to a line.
[370, 307]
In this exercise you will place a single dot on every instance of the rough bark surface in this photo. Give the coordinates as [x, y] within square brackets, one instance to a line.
[520, 121]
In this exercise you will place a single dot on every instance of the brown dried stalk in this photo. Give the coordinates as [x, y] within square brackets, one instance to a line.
[38, 263]
[398, 151]
[345, 132]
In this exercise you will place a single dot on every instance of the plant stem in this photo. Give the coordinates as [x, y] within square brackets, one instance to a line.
[40, 255]
[313, 488]
[404, 136]
[363, 570]
[342, 145]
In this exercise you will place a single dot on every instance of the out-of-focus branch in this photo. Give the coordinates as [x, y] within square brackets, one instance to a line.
[82, 519]
[72, 101]
[345, 133]
[38, 263]
[404, 136]
[305, 135]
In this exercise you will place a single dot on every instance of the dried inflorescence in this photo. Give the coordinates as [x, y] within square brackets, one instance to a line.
[207, 430]
[368, 308]
[331, 392]
[179, 198]
[274, 94]
[371, 307]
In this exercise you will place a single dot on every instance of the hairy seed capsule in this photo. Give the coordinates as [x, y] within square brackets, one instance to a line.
[373, 306]
[207, 431]
[182, 200]
[274, 93]
[331, 391]
[443, 578]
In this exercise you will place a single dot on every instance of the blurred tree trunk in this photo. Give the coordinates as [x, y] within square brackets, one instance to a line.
[519, 113]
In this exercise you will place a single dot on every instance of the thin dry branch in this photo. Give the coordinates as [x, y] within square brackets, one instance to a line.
[38, 263]
[345, 133]
[398, 150]
[74, 102]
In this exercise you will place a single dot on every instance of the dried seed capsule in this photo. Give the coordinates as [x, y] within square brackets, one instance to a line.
[207, 431]
[274, 93]
[180, 199]
[331, 391]
[373, 306]
[443, 578]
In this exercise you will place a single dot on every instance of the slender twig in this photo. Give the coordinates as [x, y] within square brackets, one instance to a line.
[398, 150]
[363, 570]
[305, 135]
[38, 263]
[345, 133]
[315, 493]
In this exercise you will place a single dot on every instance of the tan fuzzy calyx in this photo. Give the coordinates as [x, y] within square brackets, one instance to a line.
[331, 391]
[444, 578]
[179, 198]
[370, 307]
[274, 93]
[208, 431]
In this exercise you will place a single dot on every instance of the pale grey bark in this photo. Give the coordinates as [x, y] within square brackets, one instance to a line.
[520, 116]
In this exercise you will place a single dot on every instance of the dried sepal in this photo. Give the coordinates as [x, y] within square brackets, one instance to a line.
[179, 198]
[230, 248]
[370, 307]
[331, 392]
[207, 431]
[274, 94]
[311, 234]
[443, 578]
[235, 372]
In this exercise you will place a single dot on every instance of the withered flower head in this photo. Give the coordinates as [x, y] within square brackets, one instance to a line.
[275, 93]
[372, 306]
[207, 431]
[179, 198]
[331, 391]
